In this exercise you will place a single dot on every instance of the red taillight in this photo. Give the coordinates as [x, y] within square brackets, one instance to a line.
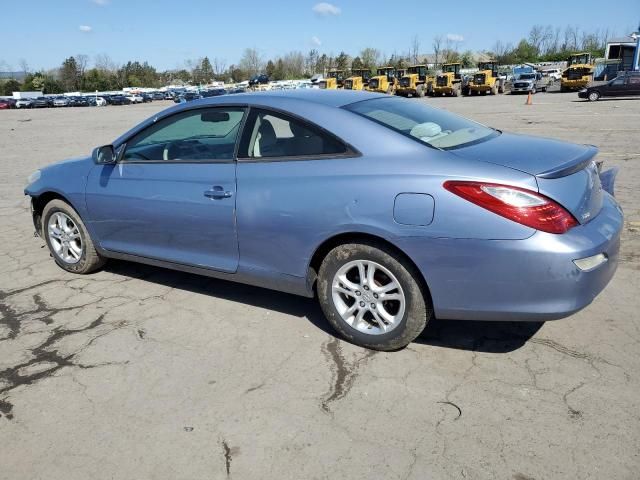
[518, 204]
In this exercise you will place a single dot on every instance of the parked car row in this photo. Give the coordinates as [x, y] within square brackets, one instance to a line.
[190, 96]
[83, 100]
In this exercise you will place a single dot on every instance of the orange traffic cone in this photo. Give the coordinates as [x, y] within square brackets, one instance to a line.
[529, 99]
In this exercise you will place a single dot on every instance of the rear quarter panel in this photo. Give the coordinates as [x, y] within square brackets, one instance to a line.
[286, 209]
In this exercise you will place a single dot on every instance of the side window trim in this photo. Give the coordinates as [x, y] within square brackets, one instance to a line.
[122, 147]
[244, 142]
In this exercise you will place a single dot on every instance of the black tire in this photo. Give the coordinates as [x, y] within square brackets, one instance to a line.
[418, 309]
[90, 260]
[594, 96]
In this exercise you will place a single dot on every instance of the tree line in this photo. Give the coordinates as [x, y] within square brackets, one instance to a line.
[543, 44]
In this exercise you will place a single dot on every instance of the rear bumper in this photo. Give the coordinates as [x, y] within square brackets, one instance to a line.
[534, 279]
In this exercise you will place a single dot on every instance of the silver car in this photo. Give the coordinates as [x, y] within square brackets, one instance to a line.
[529, 82]
[24, 103]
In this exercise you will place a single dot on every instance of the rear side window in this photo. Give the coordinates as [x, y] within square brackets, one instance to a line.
[270, 134]
[435, 127]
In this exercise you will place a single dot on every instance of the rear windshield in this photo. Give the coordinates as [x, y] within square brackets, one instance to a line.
[435, 127]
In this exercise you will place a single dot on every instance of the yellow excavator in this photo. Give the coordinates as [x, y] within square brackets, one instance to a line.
[335, 79]
[579, 72]
[358, 80]
[415, 82]
[385, 80]
[486, 80]
[449, 81]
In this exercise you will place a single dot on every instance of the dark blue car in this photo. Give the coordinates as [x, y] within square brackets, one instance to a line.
[390, 211]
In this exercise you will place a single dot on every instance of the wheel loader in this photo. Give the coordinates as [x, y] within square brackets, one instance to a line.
[335, 79]
[486, 80]
[358, 80]
[416, 82]
[449, 81]
[579, 72]
[385, 81]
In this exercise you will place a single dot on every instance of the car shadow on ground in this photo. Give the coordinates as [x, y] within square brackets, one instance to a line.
[485, 336]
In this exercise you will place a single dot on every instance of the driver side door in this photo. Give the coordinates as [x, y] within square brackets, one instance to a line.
[171, 195]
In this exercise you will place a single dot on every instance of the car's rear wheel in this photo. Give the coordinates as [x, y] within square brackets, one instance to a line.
[594, 96]
[372, 296]
[68, 239]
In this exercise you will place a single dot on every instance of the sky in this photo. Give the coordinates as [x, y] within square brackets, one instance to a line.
[167, 32]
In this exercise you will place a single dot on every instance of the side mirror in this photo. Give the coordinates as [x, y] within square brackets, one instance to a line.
[104, 155]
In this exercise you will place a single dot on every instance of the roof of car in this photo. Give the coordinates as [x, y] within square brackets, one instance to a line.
[331, 98]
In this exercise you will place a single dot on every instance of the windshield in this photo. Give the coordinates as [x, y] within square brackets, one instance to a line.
[526, 76]
[435, 127]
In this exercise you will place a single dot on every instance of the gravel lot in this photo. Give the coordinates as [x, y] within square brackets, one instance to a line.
[141, 373]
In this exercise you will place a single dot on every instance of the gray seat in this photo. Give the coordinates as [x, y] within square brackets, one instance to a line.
[266, 144]
[304, 141]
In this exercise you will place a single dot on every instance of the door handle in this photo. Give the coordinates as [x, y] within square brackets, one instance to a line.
[217, 192]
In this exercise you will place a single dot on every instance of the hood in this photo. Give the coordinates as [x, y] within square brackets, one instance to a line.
[542, 157]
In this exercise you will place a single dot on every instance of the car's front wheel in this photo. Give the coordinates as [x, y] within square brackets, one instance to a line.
[372, 296]
[68, 239]
[594, 96]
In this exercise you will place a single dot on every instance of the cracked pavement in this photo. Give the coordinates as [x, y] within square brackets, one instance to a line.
[140, 372]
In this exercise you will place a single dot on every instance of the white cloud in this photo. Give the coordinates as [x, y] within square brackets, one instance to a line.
[102, 3]
[316, 41]
[326, 9]
[455, 37]
[85, 28]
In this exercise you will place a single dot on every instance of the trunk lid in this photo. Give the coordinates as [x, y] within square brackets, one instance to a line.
[565, 172]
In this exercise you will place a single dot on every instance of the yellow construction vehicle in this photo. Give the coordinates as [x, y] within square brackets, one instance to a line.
[335, 79]
[415, 82]
[486, 79]
[579, 72]
[449, 81]
[358, 80]
[385, 81]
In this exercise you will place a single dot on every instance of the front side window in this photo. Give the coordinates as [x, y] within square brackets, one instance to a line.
[270, 135]
[437, 128]
[200, 135]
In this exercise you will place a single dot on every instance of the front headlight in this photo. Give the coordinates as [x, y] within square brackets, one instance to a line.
[34, 177]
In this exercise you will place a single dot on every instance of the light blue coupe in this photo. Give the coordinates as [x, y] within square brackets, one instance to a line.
[390, 211]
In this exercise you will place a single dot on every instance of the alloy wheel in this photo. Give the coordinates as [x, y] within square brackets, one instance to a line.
[65, 238]
[368, 297]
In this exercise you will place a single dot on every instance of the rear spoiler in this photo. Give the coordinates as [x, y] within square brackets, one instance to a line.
[572, 166]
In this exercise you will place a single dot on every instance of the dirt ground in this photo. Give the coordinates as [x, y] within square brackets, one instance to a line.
[138, 372]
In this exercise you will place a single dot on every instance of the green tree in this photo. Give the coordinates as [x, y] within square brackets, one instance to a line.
[10, 86]
[467, 60]
[279, 71]
[525, 52]
[370, 58]
[206, 71]
[101, 80]
[356, 63]
[270, 69]
[70, 75]
[342, 61]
